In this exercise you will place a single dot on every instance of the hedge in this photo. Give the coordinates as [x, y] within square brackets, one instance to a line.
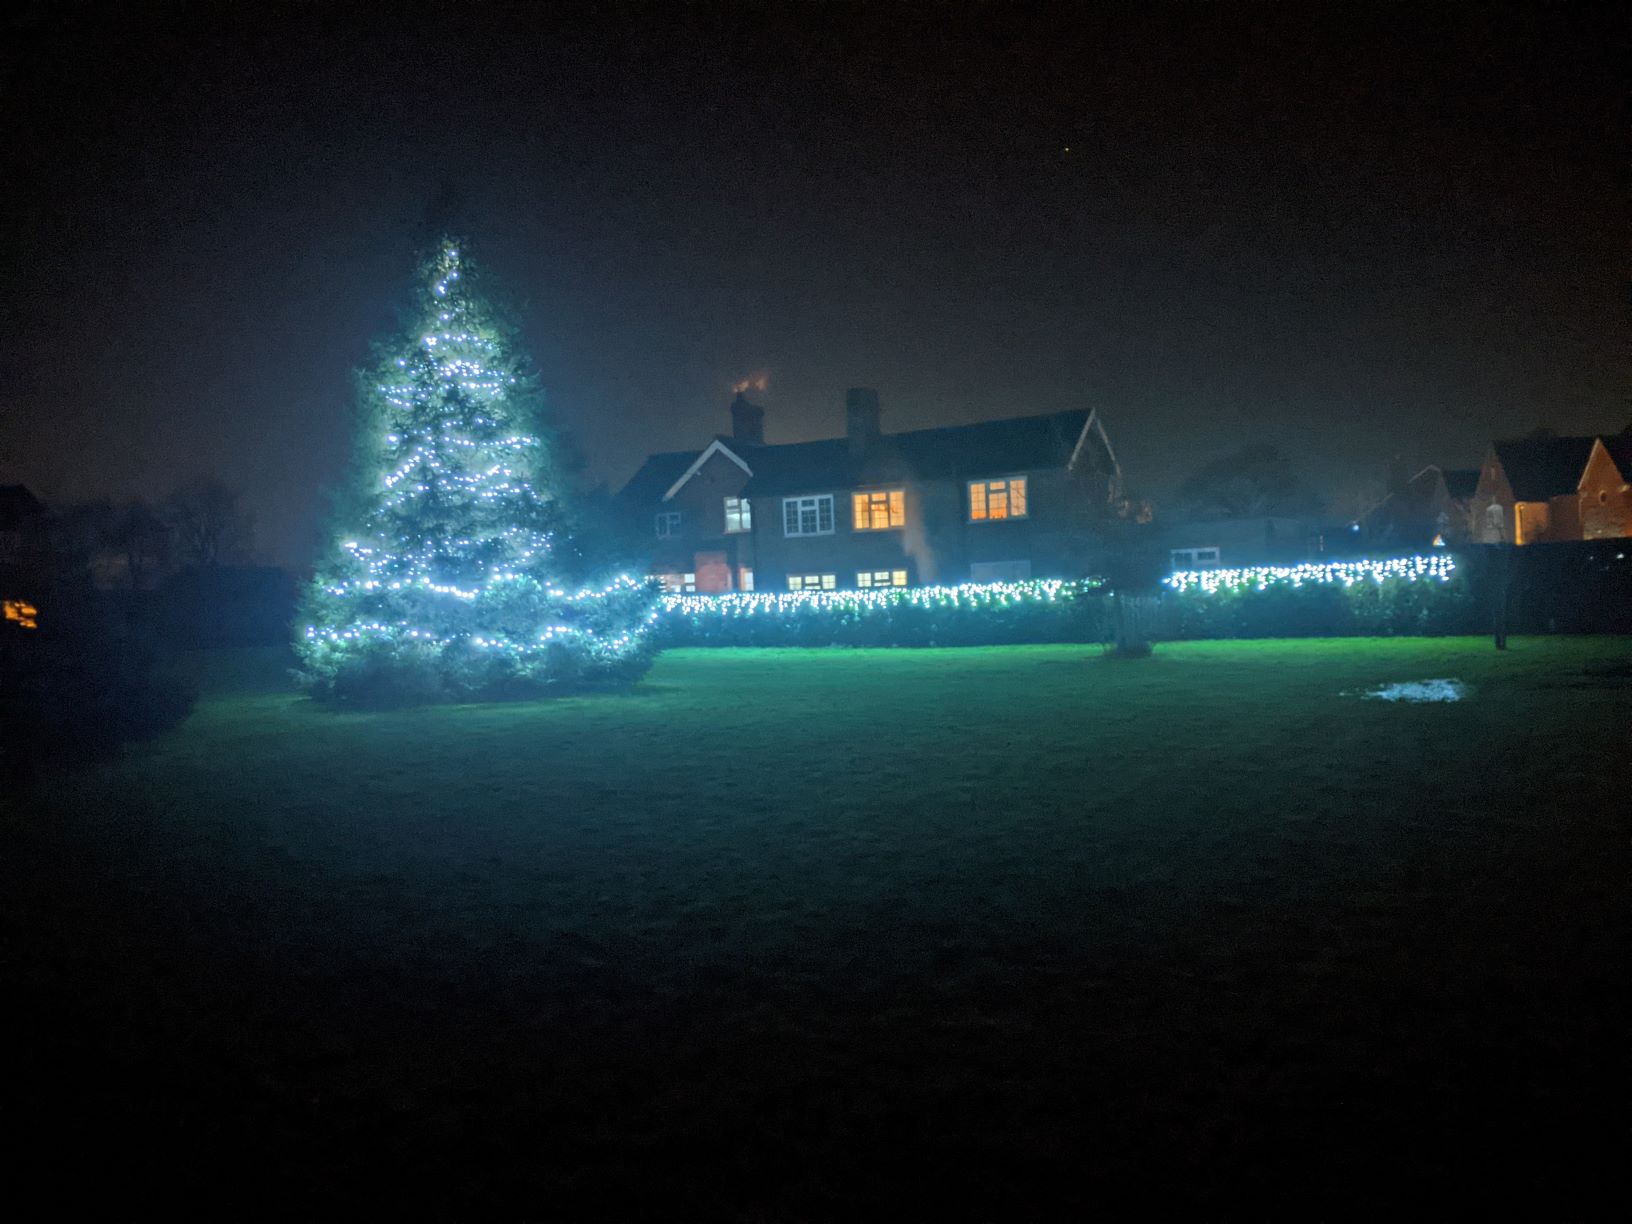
[1396, 596]
[968, 615]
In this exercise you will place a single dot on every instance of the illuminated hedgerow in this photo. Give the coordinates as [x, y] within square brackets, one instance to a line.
[1409, 595]
[1391, 597]
[442, 580]
[1319, 573]
[1042, 610]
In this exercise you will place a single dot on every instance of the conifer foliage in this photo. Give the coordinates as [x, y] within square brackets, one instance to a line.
[447, 576]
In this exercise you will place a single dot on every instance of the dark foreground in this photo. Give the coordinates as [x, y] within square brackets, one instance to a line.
[790, 935]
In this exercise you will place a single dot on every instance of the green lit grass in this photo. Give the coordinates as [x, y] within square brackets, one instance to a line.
[797, 933]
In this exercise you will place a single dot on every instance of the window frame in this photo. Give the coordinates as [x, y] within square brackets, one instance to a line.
[1193, 560]
[986, 485]
[822, 582]
[815, 500]
[744, 512]
[672, 519]
[892, 495]
[865, 579]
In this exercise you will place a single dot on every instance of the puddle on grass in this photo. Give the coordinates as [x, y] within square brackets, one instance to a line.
[1417, 691]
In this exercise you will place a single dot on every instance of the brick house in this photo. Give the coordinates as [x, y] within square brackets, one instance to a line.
[1430, 510]
[1542, 490]
[1011, 498]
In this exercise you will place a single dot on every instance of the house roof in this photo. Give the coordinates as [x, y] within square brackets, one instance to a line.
[654, 477]
[985, 447]
[1460, 483]
[1539, 468]
[1619, 447]
[16, 505]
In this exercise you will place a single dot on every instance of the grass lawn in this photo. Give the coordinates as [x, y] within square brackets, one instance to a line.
[817, 934]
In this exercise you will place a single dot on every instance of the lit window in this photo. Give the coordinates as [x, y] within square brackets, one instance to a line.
[997, 499]
[22, 612]
[1193, 558]
[869, 579]
[878, 511]
[999, 571]
[745, 579]
[807, 516]
[738, 517]
[679, 584]
[812, 582]
[668, 524]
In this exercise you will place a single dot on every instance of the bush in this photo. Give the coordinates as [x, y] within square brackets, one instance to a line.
[596, 639]
[970, 615]
[1394, 607]
[88, 679]
[1407, 597]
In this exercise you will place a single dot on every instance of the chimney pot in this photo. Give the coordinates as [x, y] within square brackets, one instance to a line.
[861, 419]
[747, 421]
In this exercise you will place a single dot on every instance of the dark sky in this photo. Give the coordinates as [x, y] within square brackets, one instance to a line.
[1357, 230]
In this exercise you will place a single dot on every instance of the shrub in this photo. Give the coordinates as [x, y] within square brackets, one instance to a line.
[89, 678]
[970, 615]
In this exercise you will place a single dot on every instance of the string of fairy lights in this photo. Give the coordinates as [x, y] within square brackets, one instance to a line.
[453, 543]
[600, 646]
[1435, 568]
[995, 596]
[965, 596]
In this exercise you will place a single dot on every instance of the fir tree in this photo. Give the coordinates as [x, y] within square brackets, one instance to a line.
[446, 576]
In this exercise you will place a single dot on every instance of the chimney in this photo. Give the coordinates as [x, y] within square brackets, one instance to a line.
[747, 421]
[861, 419]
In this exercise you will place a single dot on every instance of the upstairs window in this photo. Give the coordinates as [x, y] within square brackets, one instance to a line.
[990, 500]
[738, 517]
[668, 524]
[812, 582]
[807, 516]
[880, 510]
[871, 580]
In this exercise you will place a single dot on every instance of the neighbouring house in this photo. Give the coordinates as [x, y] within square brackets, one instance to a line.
[1005, 499]
[1543, 489]
[1430, 510]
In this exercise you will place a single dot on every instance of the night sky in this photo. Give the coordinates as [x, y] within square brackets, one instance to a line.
[1358, 231]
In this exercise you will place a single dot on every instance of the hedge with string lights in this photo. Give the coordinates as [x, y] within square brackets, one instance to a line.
[1407, 595]
[968, 615]
[1366, 598]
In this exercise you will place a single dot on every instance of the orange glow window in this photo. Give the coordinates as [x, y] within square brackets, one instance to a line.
[990, 500]
[21, 611]
[880, 510]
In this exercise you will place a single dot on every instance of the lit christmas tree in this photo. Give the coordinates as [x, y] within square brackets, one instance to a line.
[447, 579]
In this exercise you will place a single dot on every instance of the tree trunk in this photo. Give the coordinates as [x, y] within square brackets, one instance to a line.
[1504, 575]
